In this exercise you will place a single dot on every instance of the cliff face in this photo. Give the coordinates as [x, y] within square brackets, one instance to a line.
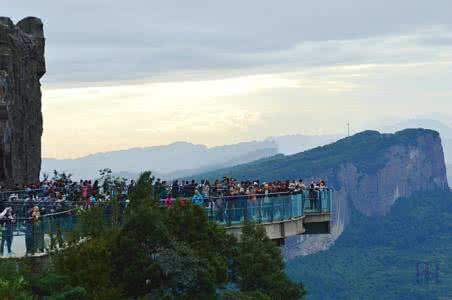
[368, 171]
[409, 168]
[22, 65]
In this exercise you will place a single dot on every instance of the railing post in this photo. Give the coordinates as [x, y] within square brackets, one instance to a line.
[300, 202]
[330, 200]
[245, 207]
[291, 203]
[259, 208]
[212, 216]
[229, 211]
[303, 201]
[320, 200]
[272, 210]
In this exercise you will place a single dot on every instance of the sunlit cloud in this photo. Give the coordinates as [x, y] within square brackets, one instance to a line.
[313, 87]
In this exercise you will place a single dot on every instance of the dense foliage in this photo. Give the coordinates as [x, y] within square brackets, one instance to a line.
[405, 255]
[153, 253]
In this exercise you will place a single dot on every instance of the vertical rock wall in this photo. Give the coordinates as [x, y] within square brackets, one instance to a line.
[409, 168]
[22, 65]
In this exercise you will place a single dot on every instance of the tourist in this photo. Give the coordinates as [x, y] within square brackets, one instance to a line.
[92, 200]
[197, 198]
[175, 189]
[7, 221]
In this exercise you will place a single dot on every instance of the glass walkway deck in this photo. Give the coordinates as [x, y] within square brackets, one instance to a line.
[283, 214]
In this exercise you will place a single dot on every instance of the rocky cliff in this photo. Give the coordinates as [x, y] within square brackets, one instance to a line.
[22, 65]
[368, 171]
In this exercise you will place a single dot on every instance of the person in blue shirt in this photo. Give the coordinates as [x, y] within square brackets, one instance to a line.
[92, 200]
[197, 198]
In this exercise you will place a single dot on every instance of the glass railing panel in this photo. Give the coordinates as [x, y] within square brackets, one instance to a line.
[317, 201]
[234, 215]
[325, 200]
[36, 238]
[58, 221]
[280, 208]
[266, 210]
[310, 201]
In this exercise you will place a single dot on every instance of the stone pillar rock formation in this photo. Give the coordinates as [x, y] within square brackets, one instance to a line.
[22, 64]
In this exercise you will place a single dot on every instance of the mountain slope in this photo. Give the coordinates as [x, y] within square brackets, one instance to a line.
[368, 161]
[404, 255]
[449, 173]
[368, 172]
[246, 158]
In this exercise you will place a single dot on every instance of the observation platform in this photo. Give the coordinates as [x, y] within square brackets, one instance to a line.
[281, 214]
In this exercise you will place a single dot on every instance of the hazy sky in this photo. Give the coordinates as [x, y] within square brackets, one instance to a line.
[138, 73]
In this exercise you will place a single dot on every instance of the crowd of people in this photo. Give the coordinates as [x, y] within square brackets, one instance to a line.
[231, 201]
[204, 192]
[29, 204]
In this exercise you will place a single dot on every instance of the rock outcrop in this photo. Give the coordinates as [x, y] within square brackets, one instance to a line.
[22, 64]
[409, 168]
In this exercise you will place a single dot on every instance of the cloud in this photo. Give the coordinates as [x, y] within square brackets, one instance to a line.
[145, 72]
[101, 42]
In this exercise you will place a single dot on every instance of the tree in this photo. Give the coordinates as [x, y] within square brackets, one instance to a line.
[235, 295]
[185, 274]
[260, 266]
[189, 223]
[141, 194]
[61, 177]
[140, 242]
[56, 287]
[14, 289]
[89, 265]
[19, 282]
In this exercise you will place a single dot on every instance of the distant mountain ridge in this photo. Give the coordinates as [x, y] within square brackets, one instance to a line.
[163, 159]
[182, 158]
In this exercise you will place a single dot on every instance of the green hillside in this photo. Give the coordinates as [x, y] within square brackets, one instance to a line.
[377, 258]
[363, 149]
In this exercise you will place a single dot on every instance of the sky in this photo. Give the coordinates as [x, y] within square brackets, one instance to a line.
[125, 74]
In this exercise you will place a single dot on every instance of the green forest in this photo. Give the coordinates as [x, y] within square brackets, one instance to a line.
[152, 253]
[405, 255]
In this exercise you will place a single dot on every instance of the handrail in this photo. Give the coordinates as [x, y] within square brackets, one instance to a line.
[20, 191]
[12, 203]
[49, 215]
